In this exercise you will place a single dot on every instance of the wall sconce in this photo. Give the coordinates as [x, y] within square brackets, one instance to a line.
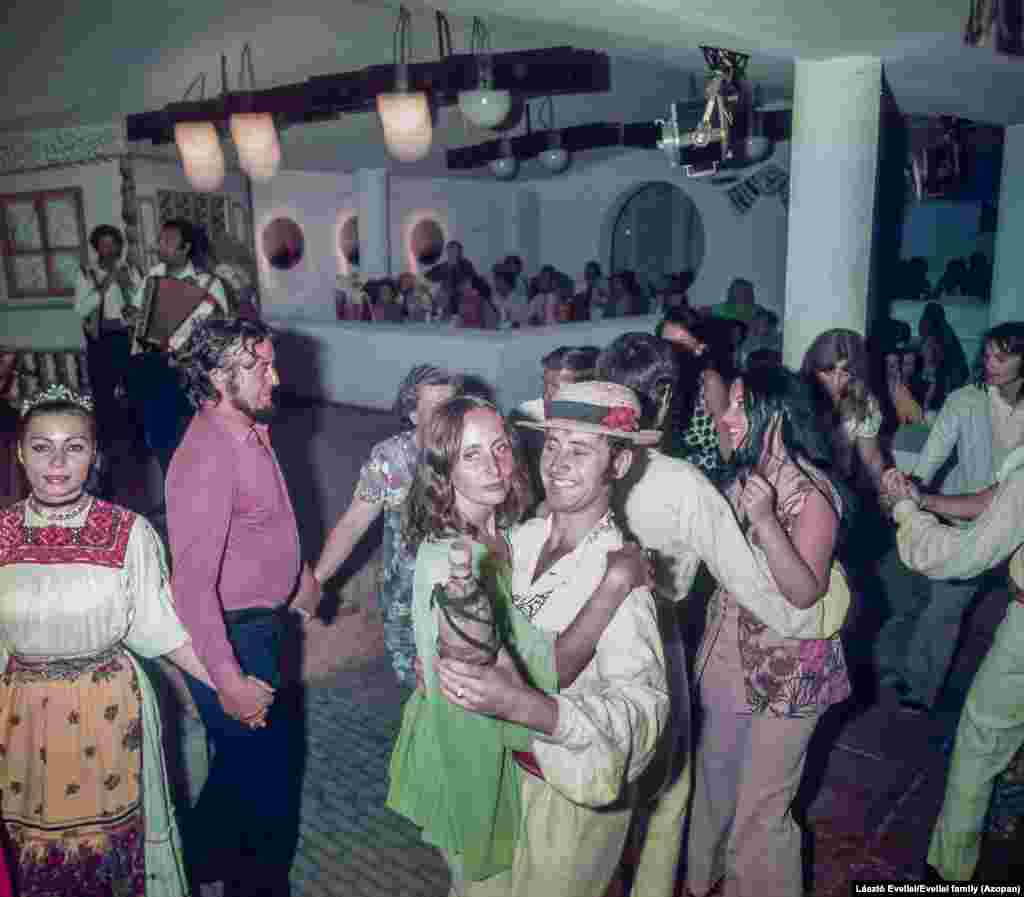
[506, 166]
[404, 115]
[484, 106]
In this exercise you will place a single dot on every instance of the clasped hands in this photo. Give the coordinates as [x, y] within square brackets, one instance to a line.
[247, 700]
[896, 486]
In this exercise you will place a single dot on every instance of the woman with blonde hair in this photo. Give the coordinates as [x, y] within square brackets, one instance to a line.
[836, 367]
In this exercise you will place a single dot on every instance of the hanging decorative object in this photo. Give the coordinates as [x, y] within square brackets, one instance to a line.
[259, 151]
[484, 106]
[404, 114]
[723, 94]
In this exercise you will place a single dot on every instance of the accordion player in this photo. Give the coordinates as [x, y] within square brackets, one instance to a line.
[170, 308]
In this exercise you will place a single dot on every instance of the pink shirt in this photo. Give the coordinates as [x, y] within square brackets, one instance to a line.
[234, 539]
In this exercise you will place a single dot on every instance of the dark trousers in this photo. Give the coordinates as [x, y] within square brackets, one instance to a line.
[108, 359]
[244, 827]
[158, 393]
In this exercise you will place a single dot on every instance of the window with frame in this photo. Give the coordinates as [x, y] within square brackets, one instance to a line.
[43, 242]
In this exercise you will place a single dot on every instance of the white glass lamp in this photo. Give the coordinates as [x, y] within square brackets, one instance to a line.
[485, 107]
[555, 159]
[506, 166]
[201, 154]
[259, 150]
[405, 118]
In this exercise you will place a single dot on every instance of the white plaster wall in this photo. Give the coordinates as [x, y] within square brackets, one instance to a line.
[319, 204]
[575, 226]
[479, 214]
[52, 323]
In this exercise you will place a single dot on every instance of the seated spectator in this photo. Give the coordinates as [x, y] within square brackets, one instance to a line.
[677, 289]
[449, 272]
[979, 276]
[545, 302]
[386, 305]
[590, 303]
[954, 280]
[512, 306]
[415, 297]
[906, 408]
[915, 279]
[739, 302]
[474, 302]
[625, 296]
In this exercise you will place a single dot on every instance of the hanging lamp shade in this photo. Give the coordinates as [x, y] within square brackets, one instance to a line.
[555, 159]
[485, 107]
[259, 150]
[201, 154]
[405, 118]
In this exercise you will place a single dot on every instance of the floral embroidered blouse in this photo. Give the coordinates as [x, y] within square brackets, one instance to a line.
[786, 677]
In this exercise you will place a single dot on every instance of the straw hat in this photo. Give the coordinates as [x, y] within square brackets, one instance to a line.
[596, 407]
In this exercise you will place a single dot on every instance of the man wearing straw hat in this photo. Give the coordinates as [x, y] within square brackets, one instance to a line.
[590, 742]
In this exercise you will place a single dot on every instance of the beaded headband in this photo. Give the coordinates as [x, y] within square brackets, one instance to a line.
[57, 392]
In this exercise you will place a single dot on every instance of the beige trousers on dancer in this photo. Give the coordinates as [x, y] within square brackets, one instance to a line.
[564, 850]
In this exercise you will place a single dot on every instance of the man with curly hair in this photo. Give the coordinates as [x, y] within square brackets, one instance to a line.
[237, 562]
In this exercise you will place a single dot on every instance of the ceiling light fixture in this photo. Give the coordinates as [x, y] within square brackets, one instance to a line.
[506, 166]
[199, 147]
[254, 134]
[484, 106]
[556, 157]
[404, 114]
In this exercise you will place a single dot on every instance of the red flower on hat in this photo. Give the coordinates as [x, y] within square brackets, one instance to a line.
[621, 417]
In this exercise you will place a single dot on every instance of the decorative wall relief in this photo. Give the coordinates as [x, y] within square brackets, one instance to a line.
[768, 180]
[61, 146]
[134, 251]
[211, 211]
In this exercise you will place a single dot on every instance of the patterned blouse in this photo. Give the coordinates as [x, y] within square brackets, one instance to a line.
[785, 677]
[385, 480]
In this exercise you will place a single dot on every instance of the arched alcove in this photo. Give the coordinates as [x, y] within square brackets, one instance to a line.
[654, 229]
[426, 242]
[283, 243]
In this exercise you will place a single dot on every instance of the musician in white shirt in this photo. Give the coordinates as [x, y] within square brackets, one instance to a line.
[165, 410]
[104, 296]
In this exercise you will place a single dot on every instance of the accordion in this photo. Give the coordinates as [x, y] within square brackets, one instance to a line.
[166, 305]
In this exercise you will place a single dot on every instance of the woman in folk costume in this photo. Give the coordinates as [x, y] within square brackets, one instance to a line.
[762, 694]
[83, 584]
[453, 772]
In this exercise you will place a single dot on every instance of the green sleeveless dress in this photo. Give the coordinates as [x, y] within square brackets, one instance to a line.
[452, 772]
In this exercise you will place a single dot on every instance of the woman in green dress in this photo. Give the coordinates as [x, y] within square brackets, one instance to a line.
[452, 771]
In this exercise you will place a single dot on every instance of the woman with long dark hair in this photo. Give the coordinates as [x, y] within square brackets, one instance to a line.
[704, 354]
[762, 693]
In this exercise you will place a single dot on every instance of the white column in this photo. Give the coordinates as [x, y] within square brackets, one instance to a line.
[833, 168]
[1008, 269]
[374, 233]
